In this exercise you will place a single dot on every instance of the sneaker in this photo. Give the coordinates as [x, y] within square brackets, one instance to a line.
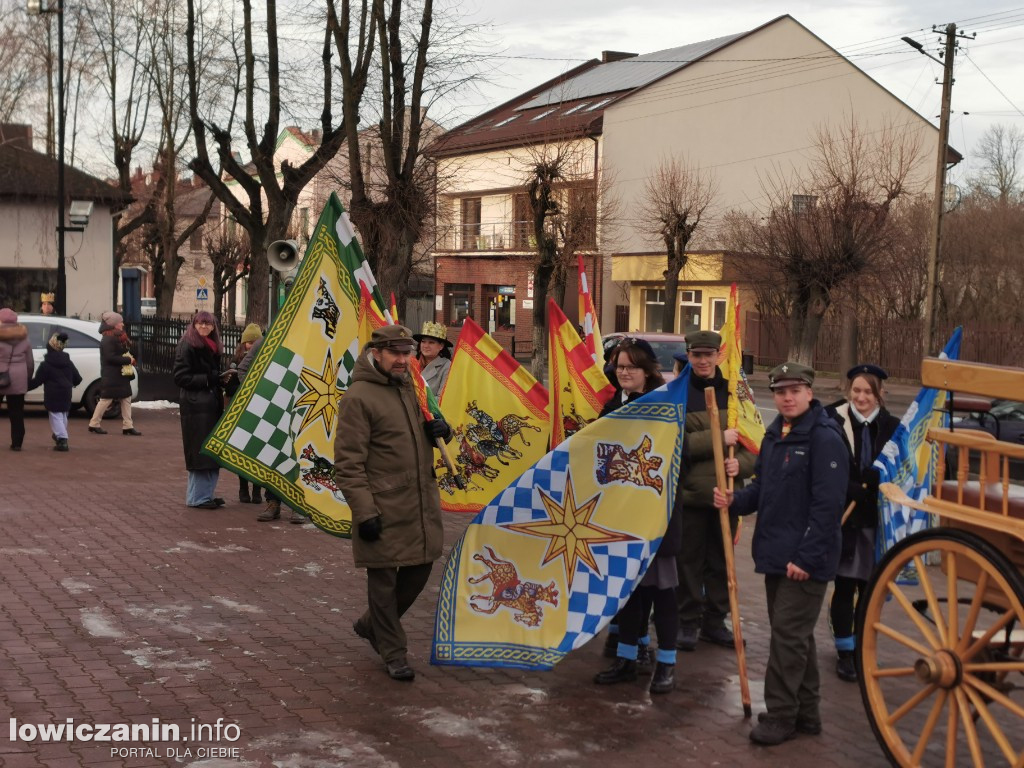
[272, 512]
[771, 731]
[718, 635]
[621, 671]
[810, 727]
[846, 668]
[686, 640]
[664, 680]
[219, 501]
[400, 670]
[211, 504]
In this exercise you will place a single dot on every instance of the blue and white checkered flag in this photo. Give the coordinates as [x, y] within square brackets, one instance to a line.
[909, 461]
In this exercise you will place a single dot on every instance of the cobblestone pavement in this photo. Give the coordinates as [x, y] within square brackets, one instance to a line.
[120, 605]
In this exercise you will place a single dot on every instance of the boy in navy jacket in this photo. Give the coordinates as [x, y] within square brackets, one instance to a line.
[798, 491]
[58, 376]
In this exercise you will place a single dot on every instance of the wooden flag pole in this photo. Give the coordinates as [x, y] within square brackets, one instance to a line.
[847, 513]
[730, 563]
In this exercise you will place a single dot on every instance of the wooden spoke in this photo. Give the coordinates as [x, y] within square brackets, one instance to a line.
[929, 727]
[902, 639]
[972, 613]
[893, 672]
[982, 641]
[933, 603]
[972, 733]
[995, 666]
[952, 602]
[996, 696]
[952, 724]
[917, 618]
[911, 703]
[990, 722]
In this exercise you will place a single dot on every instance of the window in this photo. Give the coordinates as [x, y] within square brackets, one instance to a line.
[39, 334]
[506, 121]
[76, 339]
[470, 222]
[522, 225]
[583, 216]
[804, 203]
[195, 240]
[499, 307]
[599, 104]
[458, 302]
[654, 303]
[543, 114]
[718, 314]
[577, 108]
[688, 316]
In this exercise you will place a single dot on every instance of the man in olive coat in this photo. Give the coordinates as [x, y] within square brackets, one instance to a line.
[383, 459]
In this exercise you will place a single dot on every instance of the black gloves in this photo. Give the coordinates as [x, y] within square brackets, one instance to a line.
[437, 428]
[369, 530]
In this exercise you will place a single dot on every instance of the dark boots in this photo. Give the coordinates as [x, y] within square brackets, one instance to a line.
[272, 512]
[62, 444]
[243, 490]
[664, 680]
[621, 671]
[846, 667]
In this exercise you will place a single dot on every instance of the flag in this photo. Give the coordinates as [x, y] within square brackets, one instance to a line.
[743, 415]
[548, 563]
[279, 428]
[370, 316]
[911, 462]
[499, 415]
[588, 317]
[579, 387]
[394, 308]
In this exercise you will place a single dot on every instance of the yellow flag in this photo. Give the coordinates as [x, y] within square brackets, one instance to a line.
[499, 413]
[579, 387]
[743, 414]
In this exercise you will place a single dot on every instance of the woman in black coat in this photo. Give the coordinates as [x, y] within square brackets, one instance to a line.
[636, 370]
[57, 376]
[866, 428]
[201, 400]
[116, 375]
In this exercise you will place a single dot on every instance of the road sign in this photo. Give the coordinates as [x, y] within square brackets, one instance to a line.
[202, 294]
[202, 282]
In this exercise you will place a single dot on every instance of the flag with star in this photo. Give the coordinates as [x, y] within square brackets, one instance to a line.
[547, 564]
[279, 428]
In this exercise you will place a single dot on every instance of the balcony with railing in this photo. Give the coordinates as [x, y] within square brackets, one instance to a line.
[513, 236]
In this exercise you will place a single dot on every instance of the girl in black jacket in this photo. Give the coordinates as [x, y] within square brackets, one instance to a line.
[636, 369]
[866, 428]
[58, 376]
[201, 400]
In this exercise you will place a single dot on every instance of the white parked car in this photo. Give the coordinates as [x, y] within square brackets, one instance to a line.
[84, 348]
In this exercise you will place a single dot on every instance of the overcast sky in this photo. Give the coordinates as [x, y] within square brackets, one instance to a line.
[542, 38]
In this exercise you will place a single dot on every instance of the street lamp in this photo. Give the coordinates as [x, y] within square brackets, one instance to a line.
[35, 8]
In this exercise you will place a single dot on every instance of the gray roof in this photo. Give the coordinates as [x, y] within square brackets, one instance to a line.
[627, 74]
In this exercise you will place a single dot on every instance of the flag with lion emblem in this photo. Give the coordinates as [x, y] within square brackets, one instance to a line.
[279, 428]
[548, 563]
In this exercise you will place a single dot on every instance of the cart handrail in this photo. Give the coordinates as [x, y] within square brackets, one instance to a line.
[973, 378]
[976, 439]
[959, 512]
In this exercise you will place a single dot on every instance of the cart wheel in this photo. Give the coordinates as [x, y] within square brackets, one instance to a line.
[936, 658]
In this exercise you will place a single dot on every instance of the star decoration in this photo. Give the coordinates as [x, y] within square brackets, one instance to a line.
[321, 396]
[570, 531]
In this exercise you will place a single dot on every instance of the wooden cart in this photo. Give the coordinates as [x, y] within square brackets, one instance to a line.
[941, 626]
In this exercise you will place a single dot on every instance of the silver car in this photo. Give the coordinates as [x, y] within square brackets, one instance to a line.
[84, 348]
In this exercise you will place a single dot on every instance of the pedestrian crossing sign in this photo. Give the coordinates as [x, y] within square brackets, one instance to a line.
[202, 294]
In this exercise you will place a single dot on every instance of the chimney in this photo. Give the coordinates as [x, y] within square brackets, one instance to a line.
[609, 56]
[16, 135]
[316, 135]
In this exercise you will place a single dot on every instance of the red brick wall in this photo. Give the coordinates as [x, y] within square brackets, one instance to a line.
[506, 269]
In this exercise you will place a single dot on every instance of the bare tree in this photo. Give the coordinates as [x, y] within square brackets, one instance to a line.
[231, 257]
[221, 111]
[20, 78]
[1000, 149]
[826, 228]
[675, 204]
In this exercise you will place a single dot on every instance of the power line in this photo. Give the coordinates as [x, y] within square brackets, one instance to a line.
[981, 71]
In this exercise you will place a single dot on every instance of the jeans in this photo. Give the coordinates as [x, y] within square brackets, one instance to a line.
[59, 424]
[202, 484]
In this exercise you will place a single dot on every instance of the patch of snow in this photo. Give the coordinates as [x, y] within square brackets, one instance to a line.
[98, 624]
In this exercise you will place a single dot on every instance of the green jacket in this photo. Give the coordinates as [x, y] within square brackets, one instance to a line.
[698, 477]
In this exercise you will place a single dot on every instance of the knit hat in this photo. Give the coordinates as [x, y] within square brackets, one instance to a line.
[58, 341]
[111, 319]
[8, 315]
[251, 332]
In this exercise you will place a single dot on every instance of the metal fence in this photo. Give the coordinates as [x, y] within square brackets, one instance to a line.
[155, 339]
[893, 344]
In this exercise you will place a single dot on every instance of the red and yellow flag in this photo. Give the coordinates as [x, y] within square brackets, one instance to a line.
[394, 309]
[370, 316]
[588, 318]
[499, 413]
[579, 387]
[743, 414]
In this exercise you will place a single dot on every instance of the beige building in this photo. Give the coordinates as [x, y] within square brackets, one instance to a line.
[744, 107]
